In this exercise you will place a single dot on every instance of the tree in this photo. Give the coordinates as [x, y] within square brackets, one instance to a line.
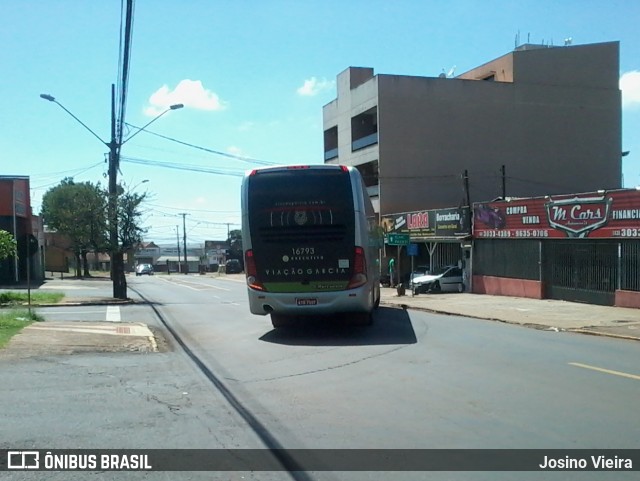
[129, 216]
[79, 212]
[8, 246]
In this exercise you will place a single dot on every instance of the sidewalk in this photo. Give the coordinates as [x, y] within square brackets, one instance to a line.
[49, 338]
[535, 313]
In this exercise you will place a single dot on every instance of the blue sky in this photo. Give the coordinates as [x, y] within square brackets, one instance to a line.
[253, 76]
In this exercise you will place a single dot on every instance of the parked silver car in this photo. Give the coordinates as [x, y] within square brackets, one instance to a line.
[445, 279]
[142, 269]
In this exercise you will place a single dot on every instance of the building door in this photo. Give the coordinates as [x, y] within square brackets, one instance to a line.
[580, 270]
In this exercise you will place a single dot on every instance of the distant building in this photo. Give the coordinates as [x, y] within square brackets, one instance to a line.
[145, 253]
[172, 259]
[216, 253]
[550, 115]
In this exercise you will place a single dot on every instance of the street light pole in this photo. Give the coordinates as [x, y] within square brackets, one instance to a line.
[117, 257]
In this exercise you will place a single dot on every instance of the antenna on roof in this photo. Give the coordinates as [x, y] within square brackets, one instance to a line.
[449, 74]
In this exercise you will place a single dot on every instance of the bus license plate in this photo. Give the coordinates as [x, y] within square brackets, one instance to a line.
[304, 301]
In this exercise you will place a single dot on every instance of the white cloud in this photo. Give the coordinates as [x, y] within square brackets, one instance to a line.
[233, 150]
[191, 93]
[630, 86]
[313, 86]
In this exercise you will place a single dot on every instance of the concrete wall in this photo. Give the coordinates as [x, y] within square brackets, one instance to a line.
[627, 299]
[552, 140]
[503, 286]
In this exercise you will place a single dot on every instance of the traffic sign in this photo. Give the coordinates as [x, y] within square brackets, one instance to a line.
[398, 239]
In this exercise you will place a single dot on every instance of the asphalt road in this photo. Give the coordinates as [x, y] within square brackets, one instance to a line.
[412, 380]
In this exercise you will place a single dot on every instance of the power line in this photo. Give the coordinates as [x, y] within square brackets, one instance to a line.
[211, 151]
[76, 172]
[195, 210]
[187, 167]
[126, 35]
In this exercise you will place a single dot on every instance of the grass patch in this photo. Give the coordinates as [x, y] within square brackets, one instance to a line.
[13, 321]
[17, 299]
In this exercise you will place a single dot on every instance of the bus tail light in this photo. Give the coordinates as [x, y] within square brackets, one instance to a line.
[252, 272]
[359, 277]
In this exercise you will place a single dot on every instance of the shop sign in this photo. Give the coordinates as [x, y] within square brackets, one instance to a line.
[438, 223]
[614, 214]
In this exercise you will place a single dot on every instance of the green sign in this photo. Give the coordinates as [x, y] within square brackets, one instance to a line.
[398, 239]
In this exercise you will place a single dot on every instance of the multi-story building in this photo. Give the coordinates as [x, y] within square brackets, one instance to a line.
[540, 120]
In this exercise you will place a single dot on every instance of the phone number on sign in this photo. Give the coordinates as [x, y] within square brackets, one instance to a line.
[630, 232]
[515, 233]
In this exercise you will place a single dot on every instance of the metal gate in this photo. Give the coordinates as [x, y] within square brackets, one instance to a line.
[582, 271]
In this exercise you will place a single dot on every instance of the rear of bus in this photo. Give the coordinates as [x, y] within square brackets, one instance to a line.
[306, 241]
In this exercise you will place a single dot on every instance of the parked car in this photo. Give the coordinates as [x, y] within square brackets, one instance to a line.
[419, 271]
[446, 279]
[142, 269]
[233, 266]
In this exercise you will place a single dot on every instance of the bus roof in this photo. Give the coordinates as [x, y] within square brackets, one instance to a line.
[279, 168]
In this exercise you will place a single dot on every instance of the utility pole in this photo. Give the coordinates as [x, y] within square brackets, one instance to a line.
[178, 241]
[504, 181]
[184, 241]
[466, 187]
[117, 259]
[114, 146]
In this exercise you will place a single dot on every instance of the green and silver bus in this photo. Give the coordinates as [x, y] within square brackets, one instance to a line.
[308, 238]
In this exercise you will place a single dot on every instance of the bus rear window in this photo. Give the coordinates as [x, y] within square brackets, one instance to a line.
[316, 200]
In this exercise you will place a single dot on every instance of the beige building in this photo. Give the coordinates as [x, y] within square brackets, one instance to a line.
[550, 115]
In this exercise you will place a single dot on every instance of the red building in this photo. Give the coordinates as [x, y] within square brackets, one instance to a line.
[16, 218]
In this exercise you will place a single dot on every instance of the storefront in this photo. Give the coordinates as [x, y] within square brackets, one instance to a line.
[578, 247]
[427, 239]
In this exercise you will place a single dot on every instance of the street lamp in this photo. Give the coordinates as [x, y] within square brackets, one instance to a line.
[117, 259]
[138, 184]
[171, 107]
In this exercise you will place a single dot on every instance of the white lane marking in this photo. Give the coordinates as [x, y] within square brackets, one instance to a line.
[241, 280]
[607, 371]
[183, 283]
[113, 314]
